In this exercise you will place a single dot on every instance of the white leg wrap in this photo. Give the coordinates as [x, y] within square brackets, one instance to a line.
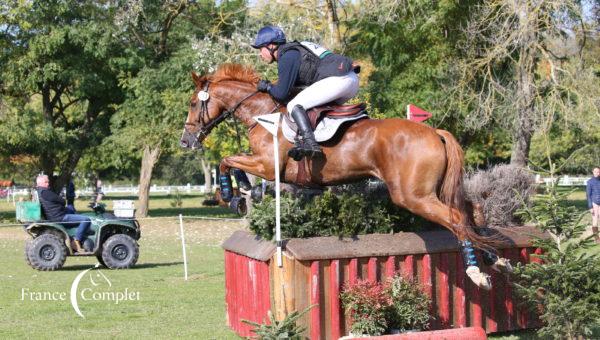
[482, 280]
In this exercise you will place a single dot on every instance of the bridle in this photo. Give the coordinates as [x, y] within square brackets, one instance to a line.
[204, 97]
[204, 130]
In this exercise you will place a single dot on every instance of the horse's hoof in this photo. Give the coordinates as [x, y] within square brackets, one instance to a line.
[481, 280]
[242, 179]
[503, 266]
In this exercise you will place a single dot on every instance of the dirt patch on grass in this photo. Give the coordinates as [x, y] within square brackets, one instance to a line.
[209, 232]
[13, 233]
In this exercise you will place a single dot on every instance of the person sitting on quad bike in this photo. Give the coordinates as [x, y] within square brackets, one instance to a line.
[53, 207]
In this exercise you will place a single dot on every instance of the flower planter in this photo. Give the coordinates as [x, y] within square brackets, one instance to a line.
[315, 269]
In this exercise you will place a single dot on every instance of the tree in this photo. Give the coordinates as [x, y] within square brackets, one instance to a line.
[147, 121]
[563, 284]
[318, 16]
[522, 67]
[407, 50]
[58, 81]
[151, 117]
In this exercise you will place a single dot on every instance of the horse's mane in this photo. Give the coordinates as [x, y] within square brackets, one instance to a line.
[237, 72]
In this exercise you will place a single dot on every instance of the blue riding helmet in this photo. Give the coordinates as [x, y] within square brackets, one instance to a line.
[269, 35]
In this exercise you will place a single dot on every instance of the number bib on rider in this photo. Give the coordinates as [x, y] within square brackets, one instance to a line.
[317, 50]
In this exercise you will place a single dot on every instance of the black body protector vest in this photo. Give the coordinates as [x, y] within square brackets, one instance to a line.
[316, 62]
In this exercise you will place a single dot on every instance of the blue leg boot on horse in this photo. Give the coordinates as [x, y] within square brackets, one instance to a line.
[226, 187]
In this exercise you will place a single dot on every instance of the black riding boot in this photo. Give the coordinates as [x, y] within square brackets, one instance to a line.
[306, 145]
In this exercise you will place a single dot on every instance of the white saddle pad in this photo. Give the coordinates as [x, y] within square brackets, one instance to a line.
[325, 130]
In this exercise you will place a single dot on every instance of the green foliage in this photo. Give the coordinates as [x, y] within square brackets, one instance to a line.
[564, 286]
[571, 146]
[177, 202]
[153, 113]
[293, 217]
[284, 329]
[58, 83]
[411, 49]
[180, 168]
[344, 214]
[409, 308]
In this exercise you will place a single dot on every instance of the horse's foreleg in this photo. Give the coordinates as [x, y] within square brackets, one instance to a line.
[251, 164]
[247, 163]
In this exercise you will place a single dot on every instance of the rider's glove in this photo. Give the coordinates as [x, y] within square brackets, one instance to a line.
[263, 85]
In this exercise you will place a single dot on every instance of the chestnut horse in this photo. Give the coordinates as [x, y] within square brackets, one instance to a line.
[421, 166]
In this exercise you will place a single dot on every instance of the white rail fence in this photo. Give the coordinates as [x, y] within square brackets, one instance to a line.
[11, 194]
[563, 180]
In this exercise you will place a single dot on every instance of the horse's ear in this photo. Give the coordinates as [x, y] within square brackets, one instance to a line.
[196, 78]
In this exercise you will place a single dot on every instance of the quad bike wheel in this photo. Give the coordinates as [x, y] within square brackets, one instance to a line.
[120, 251]
[100, 260]
[46, 252]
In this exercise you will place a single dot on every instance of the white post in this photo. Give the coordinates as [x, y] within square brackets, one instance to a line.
[277, 201]
[271, 123]
[183, 247]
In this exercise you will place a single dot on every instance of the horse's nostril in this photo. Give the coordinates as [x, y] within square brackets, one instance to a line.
[183, 143]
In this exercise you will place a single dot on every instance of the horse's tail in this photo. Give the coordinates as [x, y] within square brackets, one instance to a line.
[452, 193]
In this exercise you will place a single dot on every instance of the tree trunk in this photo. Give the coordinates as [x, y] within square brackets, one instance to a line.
[207, 169]
[149, 159]
[522, 139]
[524, 122]
[67, 168]
[47, 163]
[334, 25]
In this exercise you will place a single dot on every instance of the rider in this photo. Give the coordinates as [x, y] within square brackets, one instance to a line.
[330, 78]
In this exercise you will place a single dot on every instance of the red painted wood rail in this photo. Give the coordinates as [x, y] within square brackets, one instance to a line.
[316, 270]
[469, 333]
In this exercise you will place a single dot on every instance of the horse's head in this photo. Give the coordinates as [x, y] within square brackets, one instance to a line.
[206, 111]
[203, 114]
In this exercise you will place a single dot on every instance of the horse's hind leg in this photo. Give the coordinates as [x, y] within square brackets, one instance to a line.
[432, 209]
[499, 264]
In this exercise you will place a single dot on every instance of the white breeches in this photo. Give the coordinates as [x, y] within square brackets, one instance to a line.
[332, 89]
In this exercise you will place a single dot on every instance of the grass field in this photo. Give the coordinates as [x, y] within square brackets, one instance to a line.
[167, 307]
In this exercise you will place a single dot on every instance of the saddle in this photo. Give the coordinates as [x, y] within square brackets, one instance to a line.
[335, 112]
[342, 112]
[325, 120]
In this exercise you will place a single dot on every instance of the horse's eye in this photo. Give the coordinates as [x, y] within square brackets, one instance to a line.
[193, 104]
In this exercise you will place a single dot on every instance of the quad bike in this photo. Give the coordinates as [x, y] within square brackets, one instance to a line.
[112, 240]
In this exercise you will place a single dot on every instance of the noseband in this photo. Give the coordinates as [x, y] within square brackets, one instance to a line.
[204, 97]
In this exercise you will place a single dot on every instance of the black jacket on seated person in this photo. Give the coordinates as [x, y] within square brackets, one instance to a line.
[53, 205]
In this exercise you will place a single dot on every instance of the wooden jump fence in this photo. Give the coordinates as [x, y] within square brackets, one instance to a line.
[315, 271]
